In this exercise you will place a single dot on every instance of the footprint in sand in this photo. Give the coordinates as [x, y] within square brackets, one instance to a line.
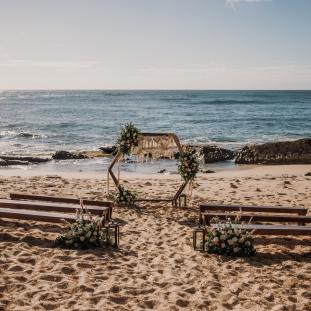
[51, 278]
[67, 270]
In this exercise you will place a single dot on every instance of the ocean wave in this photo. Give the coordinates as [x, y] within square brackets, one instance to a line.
[13, 134]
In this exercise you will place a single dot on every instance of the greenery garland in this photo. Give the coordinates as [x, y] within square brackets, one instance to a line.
[84, 233]
[128, 138]
[188, 164]
[123, 196]
[228, 239]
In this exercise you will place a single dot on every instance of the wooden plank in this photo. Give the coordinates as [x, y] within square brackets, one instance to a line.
[35, 215]
[257, 217]
[52, 207]
[253, 208]
[275, 230]
[22, 196]
[154, 200]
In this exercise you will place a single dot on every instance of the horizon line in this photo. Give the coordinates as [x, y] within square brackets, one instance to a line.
[159, 89]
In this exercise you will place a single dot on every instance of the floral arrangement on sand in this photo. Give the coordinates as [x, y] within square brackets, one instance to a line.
[123, 196]
[226, 238]
[188, 164]
[128, 138]
[84, 233]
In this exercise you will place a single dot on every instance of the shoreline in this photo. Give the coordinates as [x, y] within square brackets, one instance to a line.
[242, 171]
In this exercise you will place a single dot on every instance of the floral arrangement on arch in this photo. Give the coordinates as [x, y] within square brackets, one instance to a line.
[128, 138]
[123, 196]
[189, 164]
[84, 233]
[226, 238]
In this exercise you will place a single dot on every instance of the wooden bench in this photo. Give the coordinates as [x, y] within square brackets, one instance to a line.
[205, 208]
[246, 213]
[55, 210]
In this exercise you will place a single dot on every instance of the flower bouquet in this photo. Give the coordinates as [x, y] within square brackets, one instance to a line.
[188, 165]
[128, 138]
[84, 233]
[226, 238]
[123, 196]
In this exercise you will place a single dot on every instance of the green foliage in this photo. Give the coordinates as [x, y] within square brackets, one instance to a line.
[228, 239]
[123, 196]
[188, 164]
[84, 233]
[128, 138]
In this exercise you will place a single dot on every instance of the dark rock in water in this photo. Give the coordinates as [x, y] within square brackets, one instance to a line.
[3, 163]
[164, 158]
[109, 149]
[308, 174]
[207, 171]
[66, 155]
[17, 162]
[162, 171]
[216, 154]
[25, 159]
[285, 152]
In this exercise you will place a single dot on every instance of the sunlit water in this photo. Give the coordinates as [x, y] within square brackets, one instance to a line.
[41, 122]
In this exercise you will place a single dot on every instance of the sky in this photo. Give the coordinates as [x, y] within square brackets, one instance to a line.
[155, 44]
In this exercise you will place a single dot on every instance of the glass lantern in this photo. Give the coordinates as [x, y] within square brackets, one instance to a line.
[199, 239]
[112, 234]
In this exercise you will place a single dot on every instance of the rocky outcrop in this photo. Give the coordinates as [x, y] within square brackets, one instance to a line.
[66, 155]
[216, 154]
[285, 152]
[211, 153]
[30, 160]
[109, 149]
[12, 162]
[3, 163]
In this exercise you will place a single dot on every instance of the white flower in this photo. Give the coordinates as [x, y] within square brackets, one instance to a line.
[223, 245]
[236, 249]
[216, 240]
[234, 240]
[248, 243]
[223, 237]
[82, 238]
[88, 235]
[230, 242]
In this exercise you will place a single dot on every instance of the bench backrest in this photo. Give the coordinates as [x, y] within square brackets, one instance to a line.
[32, 197]
[252, 208]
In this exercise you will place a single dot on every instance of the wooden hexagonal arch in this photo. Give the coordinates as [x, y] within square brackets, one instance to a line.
[176, 200]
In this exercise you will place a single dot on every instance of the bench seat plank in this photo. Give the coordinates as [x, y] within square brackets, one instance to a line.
[52, 207]
[253, 208]
[257, 217]
[36, 215]
[33, 197]
[275, 229]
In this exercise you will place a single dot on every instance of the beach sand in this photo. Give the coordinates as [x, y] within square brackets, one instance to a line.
[156, 266]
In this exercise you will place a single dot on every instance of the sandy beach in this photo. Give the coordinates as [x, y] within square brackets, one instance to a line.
[156, 266]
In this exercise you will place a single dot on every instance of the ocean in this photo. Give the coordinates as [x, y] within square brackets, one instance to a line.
[41, 122]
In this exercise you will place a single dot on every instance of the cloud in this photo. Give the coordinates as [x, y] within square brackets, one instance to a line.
[234, 3]
[23, 63]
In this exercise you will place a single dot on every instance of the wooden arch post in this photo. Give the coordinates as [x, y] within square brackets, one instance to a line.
[176, 200]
